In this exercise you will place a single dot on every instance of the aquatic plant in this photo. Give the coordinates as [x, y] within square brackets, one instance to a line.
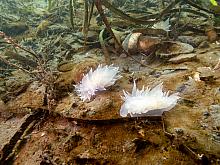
[97, 80]
[38, 72]
[147, 101]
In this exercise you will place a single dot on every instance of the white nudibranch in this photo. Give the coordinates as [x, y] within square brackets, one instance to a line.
[151, 102]
[164, 25]
[97, 80]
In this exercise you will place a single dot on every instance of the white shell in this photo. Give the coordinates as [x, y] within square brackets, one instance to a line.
[97, 80]
[147, 101]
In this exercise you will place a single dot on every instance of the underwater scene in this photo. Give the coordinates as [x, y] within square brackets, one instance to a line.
[125, 82]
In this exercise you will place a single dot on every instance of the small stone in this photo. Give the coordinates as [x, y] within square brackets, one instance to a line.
[123, 55]
[179, 131]
[203, 44]
[15, 28]
[206, 114]
[209, 58]
[43, 133]
[33, 97]
[183, 57]
[90, 113]
[2, 89]
[206, 73]
[215, 108]
[170, 49]
[204, 125]
[215, 114]
[216, 137]
[75, 73]
[195, 41]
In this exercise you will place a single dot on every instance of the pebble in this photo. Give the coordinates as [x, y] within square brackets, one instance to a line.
[209, 58]
[183, 58]
[179, 131]
[206, 73]
[215, 108]
[216, 136]
[206, 114]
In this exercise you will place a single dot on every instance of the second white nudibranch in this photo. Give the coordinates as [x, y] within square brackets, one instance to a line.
[97, 80]
[147, 101]
[164, 25]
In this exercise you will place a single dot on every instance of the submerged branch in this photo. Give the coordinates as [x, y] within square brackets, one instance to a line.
[125, 16]
[197, 6]
[105, 51]
[71, 13]
[86, 18]
[104, 19]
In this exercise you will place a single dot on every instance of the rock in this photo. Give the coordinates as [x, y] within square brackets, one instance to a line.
[216, 136]
[74, 72]
[8, 130]
[100, 104]
[15, 28]
[211, 34]
[103, 106]
[215, 108]
[20, 59]
[2, 90]
[215, 115]
[2, 106]
[192, 87]
[183, 58]
[204, 125]
[216, 93]
[206, 73]
[72, 141]
[195, 41]
[66, 66]
[179, 131]
[169, 49]
[65, 104]
[91, 36]
[3, 110]
[32, 98]
[203, 44]
[206, 114]
[56, 29]
[17, 80]
[210, 58]
[145, 43]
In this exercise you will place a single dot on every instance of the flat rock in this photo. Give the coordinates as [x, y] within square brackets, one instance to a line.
[15, 28]
[195, 41]
[103, 106]
[32, 98]
[73, 73]
[173, 48]
[205, 72]
[210, 58]
[183, 57]
[9, 128]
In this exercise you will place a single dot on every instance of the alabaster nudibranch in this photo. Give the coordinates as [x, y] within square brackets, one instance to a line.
[147, 101]
[164, 25]
[97, 80]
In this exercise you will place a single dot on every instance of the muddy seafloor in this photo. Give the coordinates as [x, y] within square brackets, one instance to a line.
[188, 134]
[44, 121]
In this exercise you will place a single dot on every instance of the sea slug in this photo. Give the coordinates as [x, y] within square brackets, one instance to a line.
[97, 80]
[164, 25]
[147, 101]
